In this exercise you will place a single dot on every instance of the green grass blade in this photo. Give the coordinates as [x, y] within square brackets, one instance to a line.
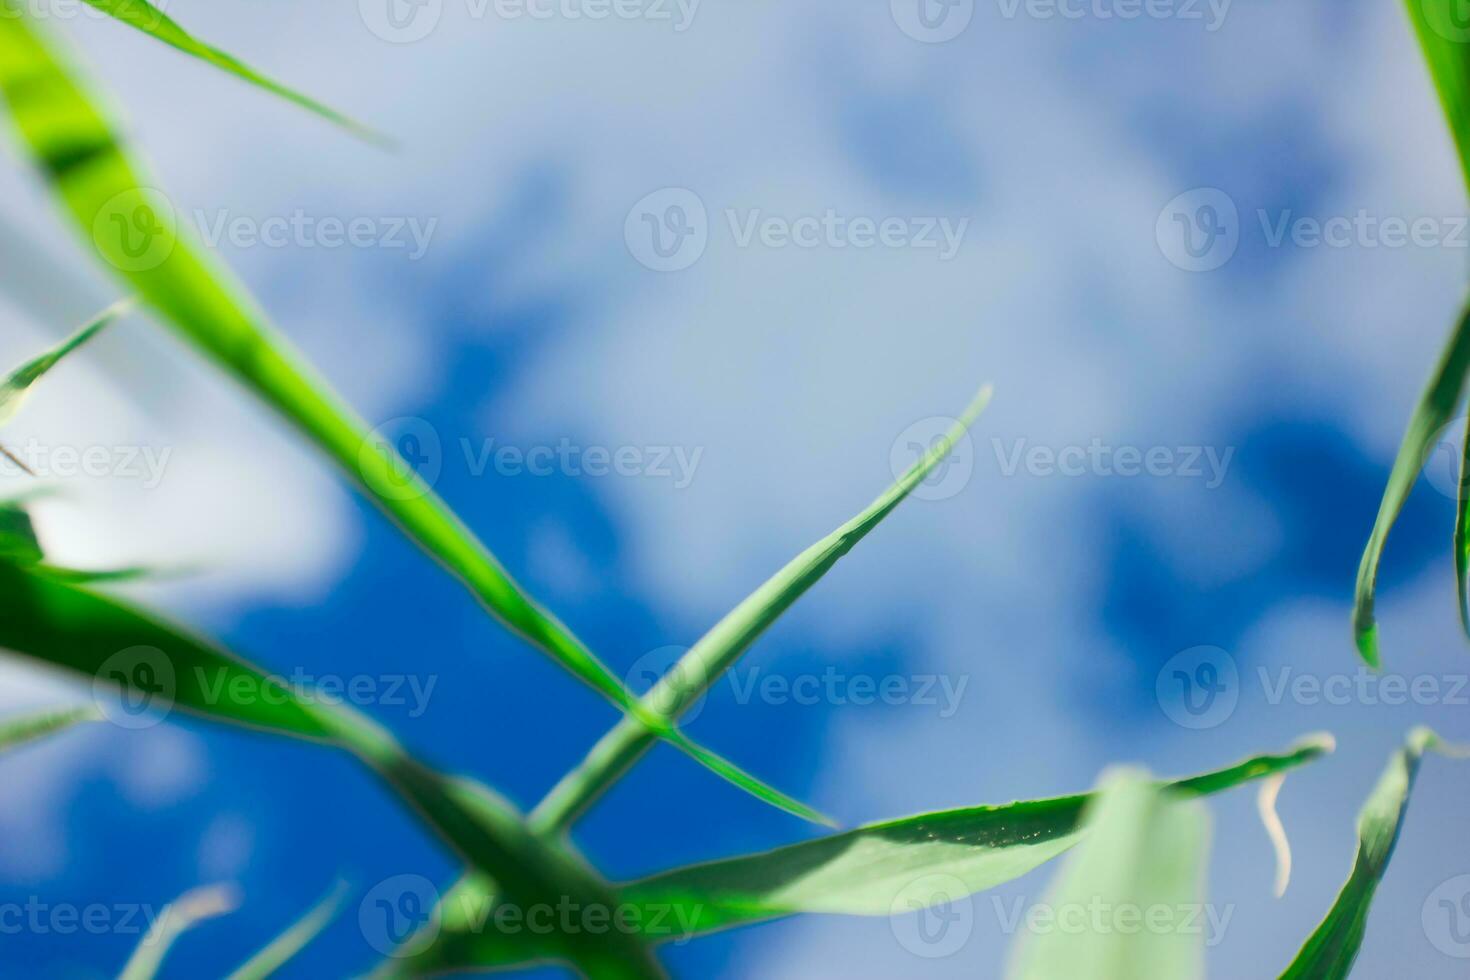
[284, 947]
[1330, 951]
[17, 384]
[133, 229]
[143, 16]
[15, 732]
[723, 645]
[1435, 410]
[162, 668]
[1144, 850]
[870, 871]
[177, 918]
[1440, 28]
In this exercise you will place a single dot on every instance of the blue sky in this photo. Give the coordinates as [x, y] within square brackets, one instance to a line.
[789, 376]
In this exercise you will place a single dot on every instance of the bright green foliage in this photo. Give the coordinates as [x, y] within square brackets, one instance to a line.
[873, 870]
[143, 16]
[1143, 854]
[1332, 948]
[17, 384]
[134, 229]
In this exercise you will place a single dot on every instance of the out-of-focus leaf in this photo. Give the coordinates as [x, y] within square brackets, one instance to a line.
[155, 23]
[134, 230]
[1440, 25]
[177, 918]
[873, 870]
[1141, 858]
[17, 731]
[156, 667]
[1330, 951]
[284, 947]
[724, 644]
[1435, 410]
[18, 541]
[17, 384]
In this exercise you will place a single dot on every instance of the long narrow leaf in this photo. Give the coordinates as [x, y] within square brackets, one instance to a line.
[143, 16]
[15, 732]
[155, 666]
[868, 871]
[133, 229]
[1439, 25]
[719, 649]
[17, 384]
[177, 918]
[284, 947]
[1435, 410]
[1143, 856]
[1330, 951]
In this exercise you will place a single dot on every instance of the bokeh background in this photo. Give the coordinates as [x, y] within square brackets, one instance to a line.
[1055, 604]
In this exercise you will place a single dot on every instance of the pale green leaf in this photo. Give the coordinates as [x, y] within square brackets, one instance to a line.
[284, 947]
[177, 918]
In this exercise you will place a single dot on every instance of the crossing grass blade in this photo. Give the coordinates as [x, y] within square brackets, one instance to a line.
[177, 918]
[161, 668]
[134, 231]
[18, 731]
[144, 16]
[288, 944]
[1144, 850]
[17, 384]
[719, 649]
[1330, 951]
[1435, 410]
[870, 871]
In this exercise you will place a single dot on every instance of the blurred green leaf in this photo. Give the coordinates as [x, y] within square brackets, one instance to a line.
[18, 541]
[719, 649]
[284, 947]
[156, 668]
[1330, 951]
[155, 23]
[1142, 858]
[17, 731]
[134, 229]
[177, 918]
[1440, 26]
[876, 870]
[1435, 410]
[17, 384]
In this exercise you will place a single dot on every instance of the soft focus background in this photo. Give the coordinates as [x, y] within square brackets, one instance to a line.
[790, 379]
